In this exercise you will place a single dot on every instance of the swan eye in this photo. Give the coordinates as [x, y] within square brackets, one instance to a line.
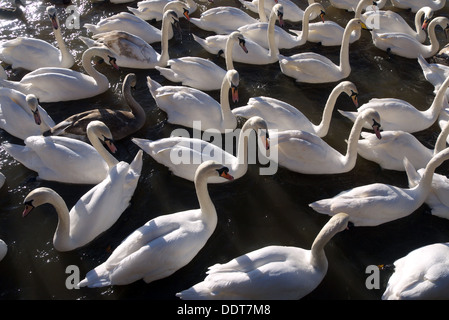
[376, 124]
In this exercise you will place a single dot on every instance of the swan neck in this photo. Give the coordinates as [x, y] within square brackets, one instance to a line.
[273, 48]
[438, 102]
[344, 66]
[242, 151]
[261, 11]
[228, 53]
[322, 128]
[96, 143]
[441, 142]
[65, 57]
[207, 207]
[164, 57]
[351, 151]
[229, 120]
[135, 107]
[318, 258]
[423, 187]
[88, 67]
[61, 238]
[432, 49]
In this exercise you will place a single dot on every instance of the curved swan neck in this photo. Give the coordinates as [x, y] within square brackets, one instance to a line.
[438, 101]
[207, 207]
[135, 107]
[61, 237]
[96, 143]
[418, 17]
[88, 67]
[323, 127]
[242, 151]
[305, 25]
[351, 151]
[318, 256]
[441, 142]
[226, 113]
[273, 48]
[423, 187]
[434, 43]
[344, 50]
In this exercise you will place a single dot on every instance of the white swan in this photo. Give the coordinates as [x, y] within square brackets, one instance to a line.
[389, 152]
[292, 13]
[202, 73]
[257, 55]
[31, 53]
[415, 5]
[62, 84]
[388, 21]
[351, 5]
[435, 73]
[257, 31]
[121, 123]
[164, 244]
[422, 274]
[330, 33]
[154, 9]
[378, 203]
[96, 211]
[173, 151]
[3, 249]
[185, 105]
[19, 113]
[132, 51]
[65, 159]
[226, 19]
[312, 67]
[3, 74]
[269, 273]
[305, 152]
[408, 47]
[398, 114]
[129, 23]
[438, 197]
[282, 116]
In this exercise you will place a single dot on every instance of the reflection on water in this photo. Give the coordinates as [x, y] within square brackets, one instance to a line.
[254, 211]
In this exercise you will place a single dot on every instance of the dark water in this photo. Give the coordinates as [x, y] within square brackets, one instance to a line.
[254, 211]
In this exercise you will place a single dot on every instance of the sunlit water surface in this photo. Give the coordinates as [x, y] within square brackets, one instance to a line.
[253, 211]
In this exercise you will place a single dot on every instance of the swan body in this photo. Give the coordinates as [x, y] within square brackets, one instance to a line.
[185, 105]
[305, 152]
[257, 55]
[31, 54]
[293, 13]
[132, 51]
[129, 23]
[61, 84]
[422, 274]
[378, 203]
[257, 32]
[3, 249]
[351, 5]
[269, 273]
[398, 114]
[172, 152]
[154, 9]
[18, 114]
[435, 73]
[201, 73]
[437, 200]
[96, 211]
[415, 5]
[65, 159]
[164, 244]
[283, 116]
[407, 46]
[311, 67]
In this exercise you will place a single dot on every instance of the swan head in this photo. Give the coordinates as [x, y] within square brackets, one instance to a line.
[351, 90]
[443, 22]
[428, 14]
[35, 198]
[179, 7]
[238, 36]
[356, 23]
[339, 222]
[99, 129]
[105, 55]
[130, 81]
[33, 103]
[172, 17]
[373, 118]
[233, 78]
[259, 125]
[278, 10]
[212, 168]
[314, 10]
[51, 12]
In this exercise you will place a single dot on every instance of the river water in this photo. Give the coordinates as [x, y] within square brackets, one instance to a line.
[253, 211]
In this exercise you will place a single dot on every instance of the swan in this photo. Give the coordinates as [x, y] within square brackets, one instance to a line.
[19, 113]
[121, 123]
[311, 67]
[269, 273]
[226, 19]
[282, 116]
[398, 114]
[65, 159]
[31, 54]
[62, 84]
[415, 5]
[257, 55]
[3, 249]
[154, 9]
[293, 13]
[378, 203]
[437, 200]
[330, 33]
[172, 151]
[164, 244]
[389, 152]
[13, 12]
[422, 274]
[129, 23]
[95, 212]
[305, 152]
[132, 51]
[408, 47]
[185, 105]
[201, 73]
[351, 5]
[257, 31]
[3, 74]
[435, 73]
[388, 21]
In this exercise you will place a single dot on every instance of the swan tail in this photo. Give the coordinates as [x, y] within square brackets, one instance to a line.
[412, 175]
[88, 41]
[351, 115]
[23, 154]
[169, 74]
[199, 291]
[91, 28]
[134, 11]
[136, 165]
[202, 42]
[153, 85]
[96, 278]
[423, 62]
